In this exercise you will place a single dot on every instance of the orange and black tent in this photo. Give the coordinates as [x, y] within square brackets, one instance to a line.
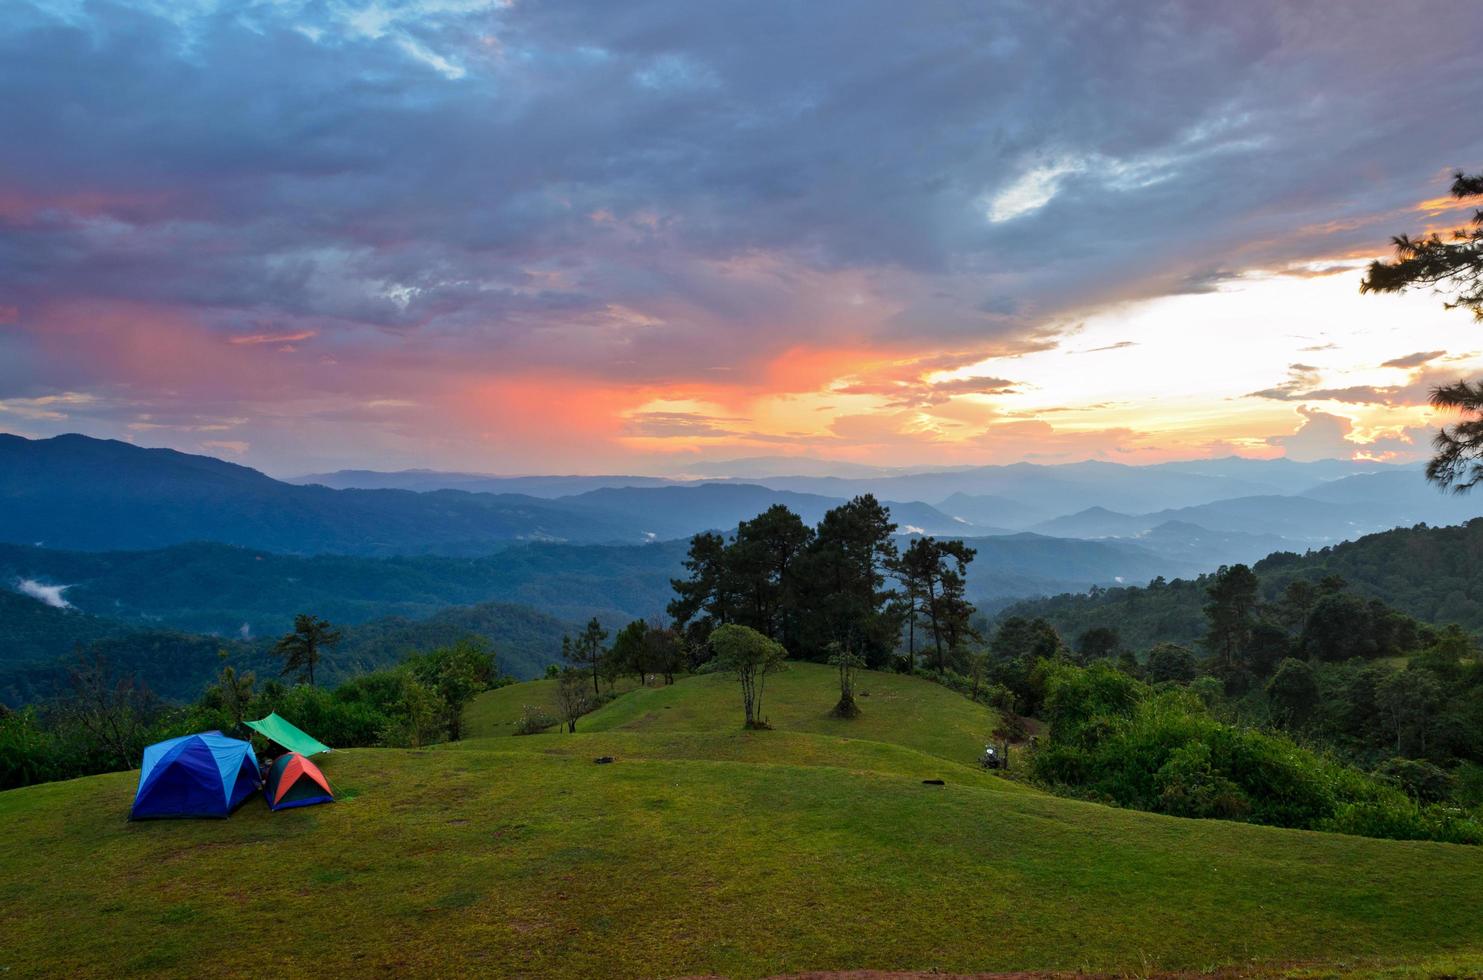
[295, 781]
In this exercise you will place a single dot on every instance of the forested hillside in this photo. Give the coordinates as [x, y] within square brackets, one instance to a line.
[1433, 574]
[42, 644]
[213, 588]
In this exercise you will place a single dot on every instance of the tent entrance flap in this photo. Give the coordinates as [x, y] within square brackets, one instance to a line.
[277, 729]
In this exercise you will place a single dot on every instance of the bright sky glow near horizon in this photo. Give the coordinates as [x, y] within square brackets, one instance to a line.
[521, 237]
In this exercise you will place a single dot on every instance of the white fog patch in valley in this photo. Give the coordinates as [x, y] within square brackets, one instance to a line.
[49, 594]
[245, 631]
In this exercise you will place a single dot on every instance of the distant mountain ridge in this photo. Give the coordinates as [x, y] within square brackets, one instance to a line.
[76, 493]
[79, 493]
[422, 481]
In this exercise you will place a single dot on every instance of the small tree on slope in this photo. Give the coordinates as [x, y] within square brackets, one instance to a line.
[751, 657]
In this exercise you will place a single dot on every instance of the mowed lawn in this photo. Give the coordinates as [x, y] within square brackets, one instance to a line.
[705, 850]
[497, 712]
[895, 708]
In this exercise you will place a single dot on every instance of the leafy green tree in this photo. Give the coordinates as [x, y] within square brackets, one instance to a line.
[1340, 627]
[842, 594]
[911, 599]
[630, 652]
[1451, 656]
[1098, 643]
[455, 674]
[1454, 267]
[704, 600]
[421, 715]
[302, 649]
[751, 656]
[1291, 611]
[1018, 637]
[1171, 662]
[664, 651]
[1409, 700]
[1231, 614]
[751, 580]
[1293, 693]
[26, 750]
[762, 566]
[941, 568]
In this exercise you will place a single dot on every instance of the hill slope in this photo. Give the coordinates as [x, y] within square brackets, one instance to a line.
[704, 851]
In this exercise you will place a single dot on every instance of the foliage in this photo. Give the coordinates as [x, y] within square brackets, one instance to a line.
[936, 571]
[1113, 738]
[751, 657]
[1171, 663]
[844, 601]
[109, 717]
[1293, 693]
[810, 589]
[1454, 266]
[455, 674]
[536, 718]
[301, 649]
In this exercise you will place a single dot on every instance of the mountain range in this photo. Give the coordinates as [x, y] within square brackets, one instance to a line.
[157, 557]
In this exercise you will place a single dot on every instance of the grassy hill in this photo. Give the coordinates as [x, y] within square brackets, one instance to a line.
[706, 850]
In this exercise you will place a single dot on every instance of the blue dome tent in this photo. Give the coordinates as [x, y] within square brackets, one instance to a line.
[202, 775]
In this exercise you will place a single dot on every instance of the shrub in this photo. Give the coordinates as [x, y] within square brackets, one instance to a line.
[1114, 738]
[534, 719]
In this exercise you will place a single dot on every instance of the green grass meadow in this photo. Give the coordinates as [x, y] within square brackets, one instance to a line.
[705, 850]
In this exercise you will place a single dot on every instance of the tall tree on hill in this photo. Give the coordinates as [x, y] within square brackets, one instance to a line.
[909, 603]
[842, 591]
[586, 652]
[629, 653]
[1231, 613]
[302, 649]
[762, 562]
[1454, 267]
[941, 568]
[664, 651]
[704, 600]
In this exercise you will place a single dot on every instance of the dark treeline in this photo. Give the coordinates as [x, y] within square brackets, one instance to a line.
[843, 585]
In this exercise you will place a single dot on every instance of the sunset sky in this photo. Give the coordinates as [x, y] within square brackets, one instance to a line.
[531, 236]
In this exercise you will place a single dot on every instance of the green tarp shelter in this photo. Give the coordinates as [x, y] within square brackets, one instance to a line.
[276, 729]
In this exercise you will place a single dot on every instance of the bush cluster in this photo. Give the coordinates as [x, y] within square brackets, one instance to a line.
[1115, 739]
